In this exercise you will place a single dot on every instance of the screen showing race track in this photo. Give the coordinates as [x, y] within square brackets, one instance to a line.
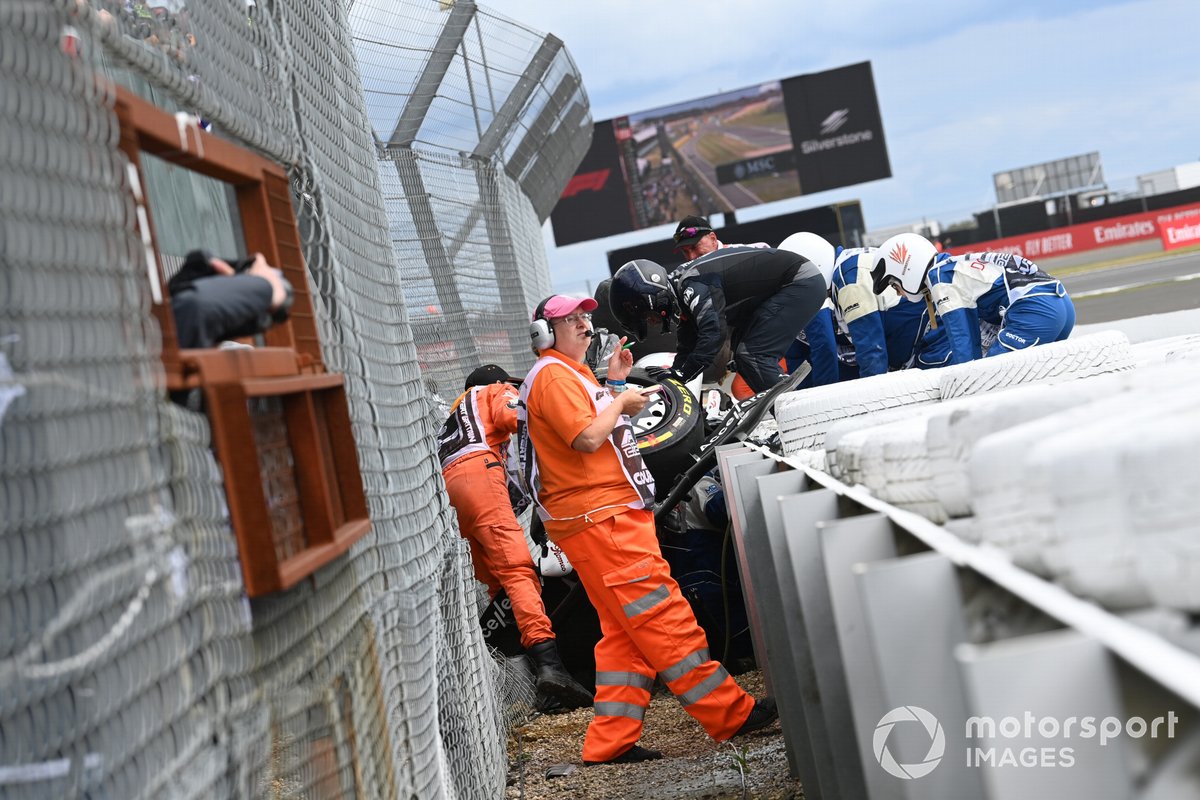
[719, 153]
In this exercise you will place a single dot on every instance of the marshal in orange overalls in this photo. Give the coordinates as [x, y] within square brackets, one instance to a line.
[648, 627]
[472, 440]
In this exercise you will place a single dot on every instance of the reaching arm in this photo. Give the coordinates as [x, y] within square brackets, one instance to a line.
[503, 399]
[706, 307]
[960, 324]
[870, 345]
[822, 348]
[860, 308]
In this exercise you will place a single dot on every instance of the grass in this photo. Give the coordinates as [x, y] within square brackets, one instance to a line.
[739, 762]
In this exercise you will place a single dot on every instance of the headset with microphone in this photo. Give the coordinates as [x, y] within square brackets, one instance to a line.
[541, 334]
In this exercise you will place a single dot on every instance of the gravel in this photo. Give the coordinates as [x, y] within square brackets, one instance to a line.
[693, 765]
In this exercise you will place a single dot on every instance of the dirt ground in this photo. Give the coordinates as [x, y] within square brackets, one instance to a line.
[693, 765]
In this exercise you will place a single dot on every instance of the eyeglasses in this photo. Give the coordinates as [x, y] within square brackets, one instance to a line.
[575, 319]
[688, 233]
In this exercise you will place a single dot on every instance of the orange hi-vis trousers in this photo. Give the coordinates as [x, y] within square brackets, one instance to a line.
[741, 390]
[479, 494]
[647, 629]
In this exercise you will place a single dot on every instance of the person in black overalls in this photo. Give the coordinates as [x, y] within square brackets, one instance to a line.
[759, 297]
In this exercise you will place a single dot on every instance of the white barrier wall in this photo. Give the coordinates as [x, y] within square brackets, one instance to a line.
[1045, 577]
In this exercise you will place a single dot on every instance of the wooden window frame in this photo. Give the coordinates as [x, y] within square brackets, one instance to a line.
[290, 367]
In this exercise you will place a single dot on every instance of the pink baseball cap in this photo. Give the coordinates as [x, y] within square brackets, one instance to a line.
[559, 305]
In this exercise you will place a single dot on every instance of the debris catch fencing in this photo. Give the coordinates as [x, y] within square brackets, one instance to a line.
[132, 664]
[478, 124]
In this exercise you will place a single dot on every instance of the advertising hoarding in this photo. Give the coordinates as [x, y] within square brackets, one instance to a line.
[719, 153]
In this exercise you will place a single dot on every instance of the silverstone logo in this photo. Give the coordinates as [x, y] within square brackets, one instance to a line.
[834, 121]
[831, 125]
[908, 715]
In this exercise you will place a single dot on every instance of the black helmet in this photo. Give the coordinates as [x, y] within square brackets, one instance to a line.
[640, 294]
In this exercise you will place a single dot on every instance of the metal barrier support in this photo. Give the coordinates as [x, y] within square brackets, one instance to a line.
[868, 620]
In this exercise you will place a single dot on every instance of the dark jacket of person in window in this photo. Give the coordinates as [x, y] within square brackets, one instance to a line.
[213, 300]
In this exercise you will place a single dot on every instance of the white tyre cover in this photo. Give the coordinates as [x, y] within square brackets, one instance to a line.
[1165, 508]
[804, 416]
[1088, 355]
[1160, 351]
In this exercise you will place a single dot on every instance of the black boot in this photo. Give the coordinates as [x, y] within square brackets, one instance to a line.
[633, 755]
[762, 715]
[553, 679]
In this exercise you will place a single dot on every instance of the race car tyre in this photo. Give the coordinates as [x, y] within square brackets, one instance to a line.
[669, 429]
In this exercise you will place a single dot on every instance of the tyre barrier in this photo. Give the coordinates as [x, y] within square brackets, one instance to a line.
[1049, 454]
[878, 612]
[1171, 348]
[1097, 354]
[805, 416]
[842, 462]
[1065, 505]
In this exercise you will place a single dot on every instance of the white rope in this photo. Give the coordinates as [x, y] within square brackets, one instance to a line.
[162, 560]
[185, 122]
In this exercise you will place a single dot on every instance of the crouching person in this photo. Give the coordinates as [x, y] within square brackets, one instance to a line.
[1030, 306]
[578, 456]
[470, 444]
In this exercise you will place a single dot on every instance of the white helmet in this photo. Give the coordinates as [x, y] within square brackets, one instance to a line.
[906, 257]
[815, 249]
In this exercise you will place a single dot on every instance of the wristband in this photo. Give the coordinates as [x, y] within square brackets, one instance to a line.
[616, 386]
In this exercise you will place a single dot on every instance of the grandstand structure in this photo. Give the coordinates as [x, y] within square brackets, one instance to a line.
[262, 593]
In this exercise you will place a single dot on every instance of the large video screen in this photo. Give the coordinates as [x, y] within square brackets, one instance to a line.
[715, 154]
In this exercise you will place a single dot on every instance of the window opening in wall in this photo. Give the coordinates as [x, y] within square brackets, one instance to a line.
[280, 420]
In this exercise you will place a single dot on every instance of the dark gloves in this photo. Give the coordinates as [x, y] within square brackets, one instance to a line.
[661, 374]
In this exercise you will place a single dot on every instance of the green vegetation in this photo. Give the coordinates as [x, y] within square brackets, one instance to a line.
[764, 119]
[773, 187]
[717, 148]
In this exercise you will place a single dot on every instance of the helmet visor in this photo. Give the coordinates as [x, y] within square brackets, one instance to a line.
[880, 280]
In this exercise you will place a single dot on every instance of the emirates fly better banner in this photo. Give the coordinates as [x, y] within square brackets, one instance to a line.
[1178, 227]
[762, 143]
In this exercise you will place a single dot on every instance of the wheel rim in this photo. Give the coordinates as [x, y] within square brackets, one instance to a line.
[653, 415]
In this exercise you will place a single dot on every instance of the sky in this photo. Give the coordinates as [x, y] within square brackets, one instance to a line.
[966, 88]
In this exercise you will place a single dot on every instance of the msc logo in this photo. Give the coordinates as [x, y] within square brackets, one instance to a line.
[937, 742]
[834, 121]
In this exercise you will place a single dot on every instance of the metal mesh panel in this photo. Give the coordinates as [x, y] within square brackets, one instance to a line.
[479, 123]
[131, 662]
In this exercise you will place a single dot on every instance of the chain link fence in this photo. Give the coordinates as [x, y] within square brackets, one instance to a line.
[478, 122]
[132, 663]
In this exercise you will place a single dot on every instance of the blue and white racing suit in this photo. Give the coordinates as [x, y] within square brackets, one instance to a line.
[889, 331]
[817, 344]
[1030, 306]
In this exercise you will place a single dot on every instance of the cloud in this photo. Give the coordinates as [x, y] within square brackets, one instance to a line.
[965, 89]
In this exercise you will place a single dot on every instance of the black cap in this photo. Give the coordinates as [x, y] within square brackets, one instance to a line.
[485, 375]
[690, 230]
